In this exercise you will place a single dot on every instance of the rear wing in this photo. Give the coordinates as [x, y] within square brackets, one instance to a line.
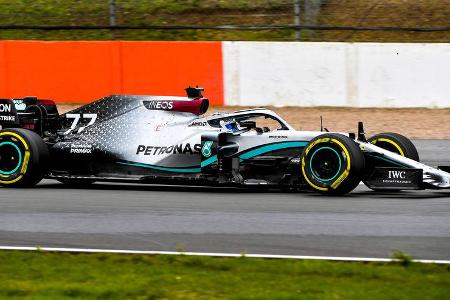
[31, 113]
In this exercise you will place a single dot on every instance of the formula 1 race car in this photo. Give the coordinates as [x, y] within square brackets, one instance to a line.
[165, 140]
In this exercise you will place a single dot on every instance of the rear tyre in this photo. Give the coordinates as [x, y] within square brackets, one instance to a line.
[24, 158]
[332, 164]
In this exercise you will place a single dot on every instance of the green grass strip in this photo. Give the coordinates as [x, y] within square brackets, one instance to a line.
[49, 275]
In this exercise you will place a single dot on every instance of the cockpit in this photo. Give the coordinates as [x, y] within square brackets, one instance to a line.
[259, 120]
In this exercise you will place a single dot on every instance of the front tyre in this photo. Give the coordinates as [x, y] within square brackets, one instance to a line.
[332, 164]
[23, 158]
[395, 143]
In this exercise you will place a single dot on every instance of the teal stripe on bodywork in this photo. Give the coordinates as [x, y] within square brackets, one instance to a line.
[213, 159]
[177, 170]
[270, 148]
[390, 161]
[209, 161]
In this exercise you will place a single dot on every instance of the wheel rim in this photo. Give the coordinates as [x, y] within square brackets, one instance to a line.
[325, 164]
[10, 158]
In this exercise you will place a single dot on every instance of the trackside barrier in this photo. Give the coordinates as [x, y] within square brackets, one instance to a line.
[83, 71]
[337, 74]
[233, 73]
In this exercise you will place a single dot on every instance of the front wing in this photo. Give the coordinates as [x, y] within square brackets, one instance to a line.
[406, 173]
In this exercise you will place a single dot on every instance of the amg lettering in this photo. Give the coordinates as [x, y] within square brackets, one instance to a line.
[5, 107]
[198, 123]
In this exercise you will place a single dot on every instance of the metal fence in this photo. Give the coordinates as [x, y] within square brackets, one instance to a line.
[308, 20]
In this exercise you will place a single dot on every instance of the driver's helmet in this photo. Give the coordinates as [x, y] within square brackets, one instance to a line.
[230, 126]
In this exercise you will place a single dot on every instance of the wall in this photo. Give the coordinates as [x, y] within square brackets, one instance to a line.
[337, 74]
[84, 71]
[233, 73]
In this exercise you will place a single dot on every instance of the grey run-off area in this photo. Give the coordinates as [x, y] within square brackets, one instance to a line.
[146, 217]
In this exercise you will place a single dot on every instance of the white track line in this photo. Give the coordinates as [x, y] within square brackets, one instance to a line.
[275, 256]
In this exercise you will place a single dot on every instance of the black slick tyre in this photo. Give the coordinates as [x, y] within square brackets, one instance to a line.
[24, 158]
[396, 143]
[332, 164]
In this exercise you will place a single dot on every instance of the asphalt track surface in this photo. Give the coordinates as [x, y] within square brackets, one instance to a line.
[170, 218]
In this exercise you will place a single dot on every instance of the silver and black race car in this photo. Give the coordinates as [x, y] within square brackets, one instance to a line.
[167, 140]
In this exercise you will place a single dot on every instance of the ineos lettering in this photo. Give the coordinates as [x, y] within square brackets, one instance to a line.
[166, 105]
